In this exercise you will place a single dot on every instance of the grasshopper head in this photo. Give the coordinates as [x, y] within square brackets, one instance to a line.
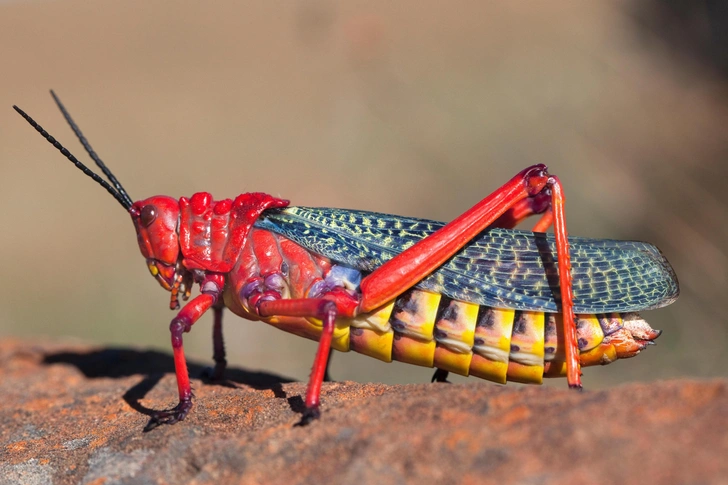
[155, 220]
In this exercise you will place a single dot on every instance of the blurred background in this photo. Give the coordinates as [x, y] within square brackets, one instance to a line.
[418, 108]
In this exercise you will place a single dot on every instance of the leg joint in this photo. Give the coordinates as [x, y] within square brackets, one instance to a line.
[327, 308]
[536, 178]
[212, 285]
[179, 325]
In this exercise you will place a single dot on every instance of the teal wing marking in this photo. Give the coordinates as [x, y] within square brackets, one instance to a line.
[499, 268]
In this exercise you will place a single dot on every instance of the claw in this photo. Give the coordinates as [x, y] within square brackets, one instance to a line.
[309, 415]
[170, 416]
[215, 374]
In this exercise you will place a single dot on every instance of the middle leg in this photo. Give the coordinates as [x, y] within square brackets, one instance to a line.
[337, 302]
[218, 344]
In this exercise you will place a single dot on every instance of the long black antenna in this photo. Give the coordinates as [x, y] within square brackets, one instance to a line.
[125, 202]
[91, 151]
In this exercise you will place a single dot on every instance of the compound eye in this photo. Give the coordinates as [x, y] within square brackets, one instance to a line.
[148, 215]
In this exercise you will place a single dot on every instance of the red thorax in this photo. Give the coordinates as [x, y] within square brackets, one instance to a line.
[210, 235]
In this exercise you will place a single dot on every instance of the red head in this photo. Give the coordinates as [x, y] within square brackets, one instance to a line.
[156, 220]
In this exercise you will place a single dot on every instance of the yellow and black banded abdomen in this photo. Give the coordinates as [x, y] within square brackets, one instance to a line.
[431, 330]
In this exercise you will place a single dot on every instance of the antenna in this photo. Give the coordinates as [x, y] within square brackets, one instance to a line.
[124, 201]
[91, 151]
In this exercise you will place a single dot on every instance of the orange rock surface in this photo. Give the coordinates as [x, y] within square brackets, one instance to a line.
[74, 414]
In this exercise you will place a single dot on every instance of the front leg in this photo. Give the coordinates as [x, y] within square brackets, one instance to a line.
[211, 288]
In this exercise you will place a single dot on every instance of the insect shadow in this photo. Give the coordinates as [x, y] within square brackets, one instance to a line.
[153, 365]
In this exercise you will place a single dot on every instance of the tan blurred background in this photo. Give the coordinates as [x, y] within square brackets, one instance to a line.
[411, 107]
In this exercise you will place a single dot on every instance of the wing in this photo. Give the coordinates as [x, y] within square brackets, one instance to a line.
[499, 268]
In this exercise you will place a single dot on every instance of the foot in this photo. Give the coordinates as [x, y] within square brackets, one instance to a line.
[440, 376]
[216, 373]
[169, 416]
[309, 415]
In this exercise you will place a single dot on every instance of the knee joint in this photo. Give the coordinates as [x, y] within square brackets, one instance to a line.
[179, 326]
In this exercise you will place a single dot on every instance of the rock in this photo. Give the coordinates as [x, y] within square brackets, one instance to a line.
[74, 414]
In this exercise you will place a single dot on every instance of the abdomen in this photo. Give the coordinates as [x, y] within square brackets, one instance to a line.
[431, 330]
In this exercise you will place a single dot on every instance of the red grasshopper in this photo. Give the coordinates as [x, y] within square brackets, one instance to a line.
[467, 297]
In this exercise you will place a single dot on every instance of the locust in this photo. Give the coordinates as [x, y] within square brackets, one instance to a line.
[473, 296]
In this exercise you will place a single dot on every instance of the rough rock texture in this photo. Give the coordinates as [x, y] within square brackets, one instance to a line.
[74, 414]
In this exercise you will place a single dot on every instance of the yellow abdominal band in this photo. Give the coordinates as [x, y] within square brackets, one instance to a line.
[427, 329]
